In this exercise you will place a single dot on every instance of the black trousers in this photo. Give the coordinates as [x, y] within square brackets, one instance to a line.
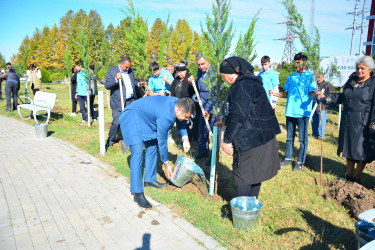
[11, 90]
[249, 190]
[115, 126]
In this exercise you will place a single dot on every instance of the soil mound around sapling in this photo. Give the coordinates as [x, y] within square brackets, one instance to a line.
[352, 196]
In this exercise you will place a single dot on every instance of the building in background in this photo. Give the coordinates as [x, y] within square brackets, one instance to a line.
[370, 44]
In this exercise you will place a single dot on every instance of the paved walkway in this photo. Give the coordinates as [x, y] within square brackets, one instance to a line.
[55, 196]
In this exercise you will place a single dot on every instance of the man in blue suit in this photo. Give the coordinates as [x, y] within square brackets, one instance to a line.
[129, 91]
[147, 122]
[205, 73]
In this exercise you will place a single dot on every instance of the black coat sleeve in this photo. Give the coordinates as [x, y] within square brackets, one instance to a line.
[239, 106]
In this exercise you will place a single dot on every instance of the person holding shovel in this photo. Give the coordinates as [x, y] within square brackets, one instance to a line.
[124, 75]
[205, 74]
[146, 122]
[251, 127]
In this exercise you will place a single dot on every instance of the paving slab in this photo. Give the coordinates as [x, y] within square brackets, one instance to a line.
[54, 195]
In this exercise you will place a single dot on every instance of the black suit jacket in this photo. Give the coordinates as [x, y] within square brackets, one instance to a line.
[112, 84]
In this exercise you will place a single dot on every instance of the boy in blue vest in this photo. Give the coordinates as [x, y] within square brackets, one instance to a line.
[270, 79]
[299, 87]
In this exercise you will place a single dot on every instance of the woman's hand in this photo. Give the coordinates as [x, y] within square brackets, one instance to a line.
[227, 147]
[219, 123]
[191, 79]
[167, 170]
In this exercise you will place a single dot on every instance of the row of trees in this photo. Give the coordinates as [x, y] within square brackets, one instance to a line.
[49, 47]
[59, 47]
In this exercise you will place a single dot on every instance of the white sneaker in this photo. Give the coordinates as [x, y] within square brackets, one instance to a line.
[170, 140]
[83, 122]
[72, 114]
[94, 120]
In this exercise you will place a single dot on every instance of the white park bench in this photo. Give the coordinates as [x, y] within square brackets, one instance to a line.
[43, 101]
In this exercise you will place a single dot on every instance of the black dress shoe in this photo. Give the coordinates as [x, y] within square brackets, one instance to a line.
[109, 144]
[142, 201]
[155, 184]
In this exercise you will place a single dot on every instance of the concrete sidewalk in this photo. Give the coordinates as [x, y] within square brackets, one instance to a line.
[55, 196]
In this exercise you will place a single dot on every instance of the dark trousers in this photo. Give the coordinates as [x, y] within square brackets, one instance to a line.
[203, 135]
[249, 190]
[115, 126]
[1, 91]
[82, 100]
[303, 126]
[74, 106]
[11, 90]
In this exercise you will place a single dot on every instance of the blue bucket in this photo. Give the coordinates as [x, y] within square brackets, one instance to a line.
[245, 212]
[364, 232]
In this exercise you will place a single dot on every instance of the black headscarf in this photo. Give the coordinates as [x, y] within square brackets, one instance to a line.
[236, 65]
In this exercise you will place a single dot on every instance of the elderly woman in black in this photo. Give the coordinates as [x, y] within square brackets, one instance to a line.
[180, 86]
[251, 127]
[357, 126]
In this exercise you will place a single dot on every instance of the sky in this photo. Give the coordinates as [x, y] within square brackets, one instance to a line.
[21, 17]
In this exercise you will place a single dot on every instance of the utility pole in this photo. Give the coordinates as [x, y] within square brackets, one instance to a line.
[362, 26]
[312, 19]
[353, 28]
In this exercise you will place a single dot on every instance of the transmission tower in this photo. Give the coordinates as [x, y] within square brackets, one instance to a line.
[289, 49]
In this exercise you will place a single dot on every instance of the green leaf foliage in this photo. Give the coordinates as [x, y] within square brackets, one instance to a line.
[46, 75]
[215, 44]
[135, 40]
[246, 45]
[310, 44]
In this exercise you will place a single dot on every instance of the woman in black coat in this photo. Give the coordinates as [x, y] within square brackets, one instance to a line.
[357, 125]
[251, 127]
[73, 82]
[181, 88]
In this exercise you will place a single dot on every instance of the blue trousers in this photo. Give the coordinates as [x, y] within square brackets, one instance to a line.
[316, 125]
[82, 100]
[303, 125]
[136, 162]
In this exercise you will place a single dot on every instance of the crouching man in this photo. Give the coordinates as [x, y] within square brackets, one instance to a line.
[146, 122]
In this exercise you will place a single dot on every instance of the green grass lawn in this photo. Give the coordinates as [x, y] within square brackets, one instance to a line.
[295, 213]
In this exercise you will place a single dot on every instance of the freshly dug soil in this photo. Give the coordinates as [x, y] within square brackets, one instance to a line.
[352, 196]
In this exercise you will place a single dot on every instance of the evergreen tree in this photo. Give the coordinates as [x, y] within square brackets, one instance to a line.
[95, 36]
[162, 43]
[154, 41]
[135, 40]
[68, 62]
[25, 58]
[246, 45]
[215, 45]
[310, 44]
[180, 42]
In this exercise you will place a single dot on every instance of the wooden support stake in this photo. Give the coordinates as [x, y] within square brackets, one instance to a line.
[101, 123]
